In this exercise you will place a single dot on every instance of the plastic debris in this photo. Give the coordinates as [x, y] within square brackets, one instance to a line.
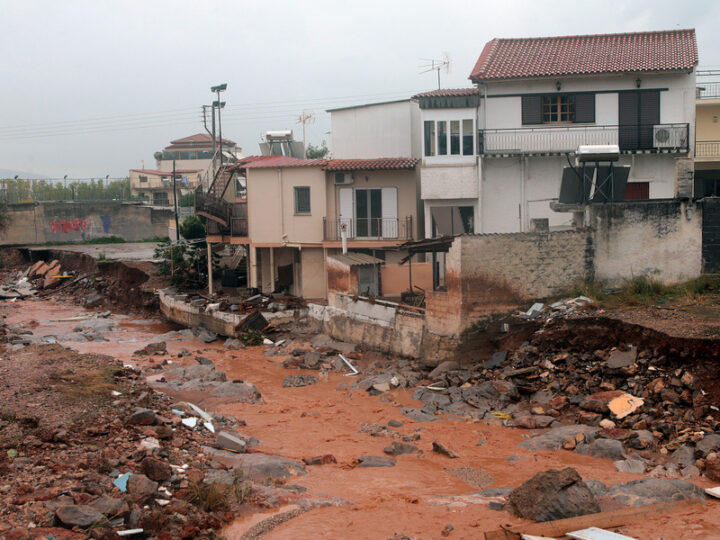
[121, 482]
[116, 393]
[354, 371]
[209, 427]
[12, 453]
[594, 533]
[129, 532]
[190, 422]
[713, 492]
[205, 416]
[178, 412]
[266, 341]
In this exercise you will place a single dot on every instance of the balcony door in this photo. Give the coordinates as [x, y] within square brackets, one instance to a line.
[369, 212]
[638, 112]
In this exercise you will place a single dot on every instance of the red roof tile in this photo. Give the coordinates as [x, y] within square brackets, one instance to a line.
[199, 138]
[377, 164]
[268, 162]
[667, 50]
[448, 92]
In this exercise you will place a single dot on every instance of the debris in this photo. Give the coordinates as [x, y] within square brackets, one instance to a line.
[75, 515]
[320, 460]
[713, 492]
[121, 481]
[375, 461]
[440, 448]
[129, 532]
[190, 422]
[593, 533]
[624, 405]
[294, 381]
[354, 371]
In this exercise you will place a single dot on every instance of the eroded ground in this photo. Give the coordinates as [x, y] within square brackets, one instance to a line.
[418, 497]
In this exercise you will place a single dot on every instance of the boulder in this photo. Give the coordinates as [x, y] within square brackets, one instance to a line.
[78, 515]
[630, 466]
[684, 455]
[258, 467]
[712, 467]
[93, 300]
[443, 449]
[152, 348]
[234, 344]
[553, 494]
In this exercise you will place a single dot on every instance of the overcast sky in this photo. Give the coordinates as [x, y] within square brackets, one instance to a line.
[93, 88]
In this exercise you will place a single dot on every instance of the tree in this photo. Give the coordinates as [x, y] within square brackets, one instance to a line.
[192, 227]
[187, 200]
[316, 152]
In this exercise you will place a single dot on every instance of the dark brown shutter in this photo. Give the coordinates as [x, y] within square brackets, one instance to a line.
[585, 108]
[649, 116]
[628, 120]
[532, 109]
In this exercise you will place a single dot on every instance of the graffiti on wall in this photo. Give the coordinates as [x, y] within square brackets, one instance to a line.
[67, 225]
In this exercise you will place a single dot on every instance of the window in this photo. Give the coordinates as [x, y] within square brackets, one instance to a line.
[558, 108]
[455, 137]
[442, 138]
[467, 137]
[637, 191]
[302, 200]
[429, 138]
[142, 178]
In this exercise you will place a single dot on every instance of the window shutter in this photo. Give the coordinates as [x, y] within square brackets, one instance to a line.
[650, 107]
[389, 212]
[585, 108]
[532, 109]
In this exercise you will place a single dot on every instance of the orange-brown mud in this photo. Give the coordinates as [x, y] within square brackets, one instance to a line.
[418, 497]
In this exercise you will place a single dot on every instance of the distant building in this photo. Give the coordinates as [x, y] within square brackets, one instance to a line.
[193, 157]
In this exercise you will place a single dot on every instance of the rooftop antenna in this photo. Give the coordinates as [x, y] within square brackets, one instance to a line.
[307, 117]
[434, 64]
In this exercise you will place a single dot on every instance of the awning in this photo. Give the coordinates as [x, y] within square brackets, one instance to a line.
[356, 259]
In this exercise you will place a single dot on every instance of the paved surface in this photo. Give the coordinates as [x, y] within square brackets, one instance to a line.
[131, 251]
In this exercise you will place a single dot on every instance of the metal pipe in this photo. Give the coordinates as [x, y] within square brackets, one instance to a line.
[355, 371]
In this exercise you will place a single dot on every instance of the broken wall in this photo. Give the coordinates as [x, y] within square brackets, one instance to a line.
[658, 239]
[76, 221]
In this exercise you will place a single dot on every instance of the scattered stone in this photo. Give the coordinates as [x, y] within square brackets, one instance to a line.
[257, 466]
[294, 381]
[684, 456]
[140, 487]
[447, 530]
[496, 360]
[709, 443]
[395, 424]
[620, 359]
[605, 449]
[397, 448]
[553, 494]
[156, 469]
[151, 349]
[607, 424]
[204, 361]
[142, 417]
[440, 448]
[443, 367]
[93, 300]
[234, 344]
[375, 461]
[654, 490]
[242, 391]
[553, 439]
[320, 460]
[110, 506]
[78, 515]
[630, 466]
[417, 415]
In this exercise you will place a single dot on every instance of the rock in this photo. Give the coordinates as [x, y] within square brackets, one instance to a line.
[553, 439]
[395, 423]
[709, 443]
[93, 300]
[630, 466]
[620, 359]
[156, 469]
[684, 456]
[294, 381]
[712, 467]
[78, 515]
[607, 424]
[397, 448]
[496, 360]
[234, 344]
[448, 365]
[654, 490]
[140, 487]
[312, 360]
[643, 439]
[417, 415]
[440, 448]
[110, 506]
[320, 460]
[152, 348]
[228, 441]
[243, 391]
[258, 467]
[206, 336]
[204, 361]
[553, 494]
[531, 421]
[606, 449]
[142, 417]
[375, 461]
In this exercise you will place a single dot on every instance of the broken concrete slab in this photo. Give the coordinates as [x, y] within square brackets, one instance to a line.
[621, 359]
[257, 466]
[625, 405]
[229, 441]
[417, 415]
[375, 461]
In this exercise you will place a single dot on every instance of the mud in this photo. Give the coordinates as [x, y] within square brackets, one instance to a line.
[425, 491]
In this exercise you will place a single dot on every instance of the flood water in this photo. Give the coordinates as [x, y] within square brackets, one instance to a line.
[417, 497]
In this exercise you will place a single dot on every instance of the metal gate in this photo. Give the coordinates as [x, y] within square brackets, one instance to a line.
[711, 235]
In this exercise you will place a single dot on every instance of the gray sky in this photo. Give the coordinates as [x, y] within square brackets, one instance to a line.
[91, 88]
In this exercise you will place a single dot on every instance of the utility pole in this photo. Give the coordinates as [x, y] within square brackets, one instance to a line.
[217, 89]
[177, 226]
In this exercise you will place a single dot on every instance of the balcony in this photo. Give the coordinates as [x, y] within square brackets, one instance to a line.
[564, 139]
[369, 229]
[707, 149]
[215, 209]
[237, 224]
[708, 90]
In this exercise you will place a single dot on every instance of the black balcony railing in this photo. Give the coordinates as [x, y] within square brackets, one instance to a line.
[567, 138]
[368, 228]
[212, 208]
[708, 90]
[239, 227]
[707, 149]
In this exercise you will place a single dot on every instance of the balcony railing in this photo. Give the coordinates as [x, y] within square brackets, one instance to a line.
[212, 207]
[707, 149]
[368, 228]
[708, 90]
[239, 227]
[563, 139]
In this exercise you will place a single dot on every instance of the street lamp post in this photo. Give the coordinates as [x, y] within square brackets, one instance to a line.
[217, 89]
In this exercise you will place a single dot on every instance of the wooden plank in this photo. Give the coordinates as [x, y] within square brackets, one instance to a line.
[614, 518]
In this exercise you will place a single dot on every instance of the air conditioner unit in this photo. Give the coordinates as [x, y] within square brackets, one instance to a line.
[343, 178]
[670, 136]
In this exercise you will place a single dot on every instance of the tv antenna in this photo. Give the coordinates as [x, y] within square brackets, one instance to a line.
[435, 64]
[307, 117]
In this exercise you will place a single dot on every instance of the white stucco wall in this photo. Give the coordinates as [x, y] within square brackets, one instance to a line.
[458, 182]
[372, 131]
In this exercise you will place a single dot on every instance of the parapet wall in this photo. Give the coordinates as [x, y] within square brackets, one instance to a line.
[75, 221]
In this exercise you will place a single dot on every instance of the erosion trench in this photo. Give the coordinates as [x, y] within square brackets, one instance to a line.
[377, 455]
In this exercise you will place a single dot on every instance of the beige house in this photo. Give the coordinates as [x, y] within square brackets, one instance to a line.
[193, 161]
[707, 142]
[292, 215]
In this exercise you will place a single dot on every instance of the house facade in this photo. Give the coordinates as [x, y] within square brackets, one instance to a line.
[707, 141]
[193, 159]
[535, 101]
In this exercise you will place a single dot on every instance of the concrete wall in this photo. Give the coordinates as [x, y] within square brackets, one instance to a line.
[372, 131]
[662, 240]
[708, 120]
[395, 278]
[312, 268]
[271, 212]
[62, 221]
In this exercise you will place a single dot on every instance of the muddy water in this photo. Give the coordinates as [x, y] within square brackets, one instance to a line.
[418, 497]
